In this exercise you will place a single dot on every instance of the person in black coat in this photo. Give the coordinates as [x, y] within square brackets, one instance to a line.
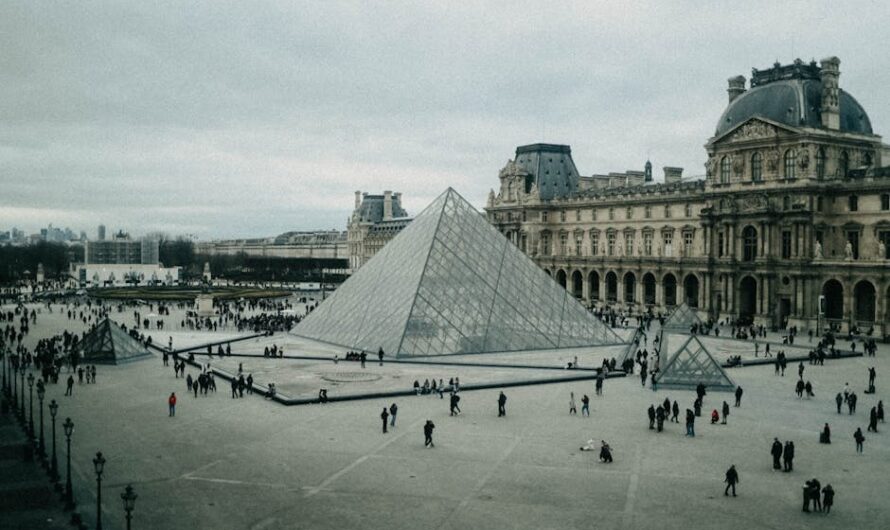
[732, 478]
[384, 416]
[725, 412]
[788, 456]
[502, 403]
[428, 434]
[827, 498]
[738, 396]
[776, 451]
[651, 413]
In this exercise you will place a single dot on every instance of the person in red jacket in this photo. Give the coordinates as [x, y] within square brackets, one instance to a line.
[172, 402]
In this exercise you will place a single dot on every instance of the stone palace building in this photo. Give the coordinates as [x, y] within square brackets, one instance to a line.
[790, 226]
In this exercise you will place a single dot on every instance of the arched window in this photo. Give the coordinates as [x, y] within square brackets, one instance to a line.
[820, 163]
[749, 243]
[844, 164]
[725, 164]
[790, 163]
[756, 167]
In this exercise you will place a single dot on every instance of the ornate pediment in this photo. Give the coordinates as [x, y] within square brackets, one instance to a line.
[753, 130]
[512, 169]
[753, 203]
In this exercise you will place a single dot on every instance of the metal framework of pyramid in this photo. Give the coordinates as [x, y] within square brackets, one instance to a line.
[107, 343]
[693, 364]
[450, 283]
[682, 317]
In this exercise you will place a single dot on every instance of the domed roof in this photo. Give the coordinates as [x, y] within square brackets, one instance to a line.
[794, 102]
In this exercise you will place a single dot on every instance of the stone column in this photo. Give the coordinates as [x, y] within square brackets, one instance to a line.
[585, 292]
[659, 293]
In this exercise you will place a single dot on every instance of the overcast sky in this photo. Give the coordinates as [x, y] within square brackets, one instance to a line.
[248, 119]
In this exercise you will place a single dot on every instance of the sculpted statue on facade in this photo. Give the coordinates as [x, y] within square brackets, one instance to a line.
[817, 251]
[848, 251]
[491, 198]
[803, 160]
[882, 250]
[772, 159]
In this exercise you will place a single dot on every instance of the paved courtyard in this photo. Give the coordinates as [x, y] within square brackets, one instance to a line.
[252, 464]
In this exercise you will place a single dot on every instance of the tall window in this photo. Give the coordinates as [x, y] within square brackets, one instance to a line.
[524, 216]
[820, 163]
[844, 164]
[594, 243]
[725, 166]
[544, 217]
[790, 163]
[647, 213]
[562, 244]
[577, 250]
[668, 239]
[786, 244]
[853, 203]
[885, 202]
[749, 243]
[562, 216]
[628, 244]
[545, 244]
[786, 203]
[819, 204]
[647, 243]
[688, 238]
[757, 167]
[720, 244]
[610, 243]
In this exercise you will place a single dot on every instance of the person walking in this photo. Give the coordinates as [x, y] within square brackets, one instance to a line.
[585, 405]
[776, 451]
[725, 412]
[825, 435]
[873, 420]
[393, 410]
[384, 416]
[732, 478]
[690, 423]
[738, 396]
[827, 498]
[171, 403]
[428, 434]
[788, 456]
[70, 390]
[572, 409]
[675, 412]
[859, 439]
[502, 404]
[839, 399]
[651, 413]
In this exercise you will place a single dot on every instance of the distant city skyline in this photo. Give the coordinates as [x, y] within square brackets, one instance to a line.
[239, 121]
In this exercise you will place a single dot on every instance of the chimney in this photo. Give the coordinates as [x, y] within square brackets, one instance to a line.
[387, 206]
[736, 87]
[648, 172]
[831, 116]
[397, 199]
[358, 200]
[672, 174]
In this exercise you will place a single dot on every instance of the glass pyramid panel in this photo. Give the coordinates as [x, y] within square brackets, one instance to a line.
[450, 283]
[693, 364]
[682, 317]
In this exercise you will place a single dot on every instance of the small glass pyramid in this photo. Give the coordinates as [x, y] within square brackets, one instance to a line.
[107, 343]
[693, 364]
[450, 283]
[682, 317]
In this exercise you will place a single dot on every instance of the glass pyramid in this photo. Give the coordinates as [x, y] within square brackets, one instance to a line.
[682, 317]
[107, 343]
[450, 283]
[693, 364]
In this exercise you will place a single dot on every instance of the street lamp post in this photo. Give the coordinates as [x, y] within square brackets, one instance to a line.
[41, 393]
[30, 407]
[99, 464]
[22, 371]
[54, 465]
[69, 494]
[129, 498]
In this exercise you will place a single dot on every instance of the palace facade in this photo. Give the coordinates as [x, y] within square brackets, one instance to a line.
[790, 225]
